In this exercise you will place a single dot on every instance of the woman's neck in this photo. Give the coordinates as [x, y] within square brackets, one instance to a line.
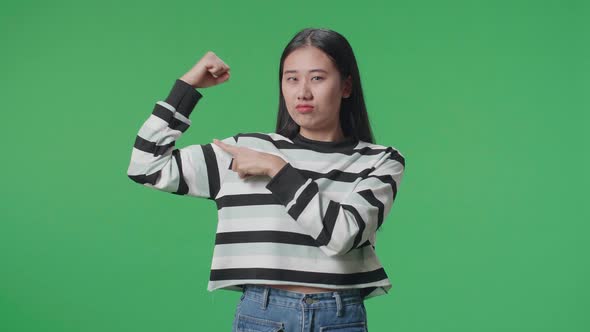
[331, 136]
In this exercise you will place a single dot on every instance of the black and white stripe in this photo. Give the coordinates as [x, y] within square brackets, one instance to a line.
[314, 223]
[156, 162]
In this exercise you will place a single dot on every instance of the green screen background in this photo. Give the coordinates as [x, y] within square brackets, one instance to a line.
[487, 100]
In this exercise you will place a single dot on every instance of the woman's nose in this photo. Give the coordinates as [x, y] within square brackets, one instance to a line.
[304, 92]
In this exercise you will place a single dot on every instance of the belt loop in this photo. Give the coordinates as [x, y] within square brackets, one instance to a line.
[265, 298]
[338, 304]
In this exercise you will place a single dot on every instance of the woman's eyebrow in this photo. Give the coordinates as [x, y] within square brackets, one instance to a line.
[309, 71]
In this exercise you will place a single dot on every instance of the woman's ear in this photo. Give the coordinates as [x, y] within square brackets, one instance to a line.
[347, 89]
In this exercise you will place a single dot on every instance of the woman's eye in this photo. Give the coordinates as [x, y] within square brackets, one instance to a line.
[288, 78]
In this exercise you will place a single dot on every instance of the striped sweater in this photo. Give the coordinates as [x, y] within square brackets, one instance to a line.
[313, 224]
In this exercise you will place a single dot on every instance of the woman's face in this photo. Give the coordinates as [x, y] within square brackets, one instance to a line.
[310, 77]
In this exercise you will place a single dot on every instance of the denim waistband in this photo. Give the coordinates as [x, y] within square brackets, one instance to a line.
[337, 298]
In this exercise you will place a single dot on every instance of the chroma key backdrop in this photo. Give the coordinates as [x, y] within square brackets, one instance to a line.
[487, 100]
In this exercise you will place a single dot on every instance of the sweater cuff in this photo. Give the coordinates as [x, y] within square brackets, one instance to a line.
[183, 97]
[285, 183]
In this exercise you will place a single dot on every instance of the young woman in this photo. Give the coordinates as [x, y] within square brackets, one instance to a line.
[298, 208]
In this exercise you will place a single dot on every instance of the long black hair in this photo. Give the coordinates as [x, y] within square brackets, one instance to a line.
[353, 112]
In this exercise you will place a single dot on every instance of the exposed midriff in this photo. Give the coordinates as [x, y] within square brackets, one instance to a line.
[302, 289]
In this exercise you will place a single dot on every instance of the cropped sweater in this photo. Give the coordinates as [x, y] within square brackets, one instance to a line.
[312, 224]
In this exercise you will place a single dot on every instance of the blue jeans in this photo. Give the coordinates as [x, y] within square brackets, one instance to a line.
[266, 309]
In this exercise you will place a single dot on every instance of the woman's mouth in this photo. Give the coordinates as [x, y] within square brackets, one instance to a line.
[304, 109]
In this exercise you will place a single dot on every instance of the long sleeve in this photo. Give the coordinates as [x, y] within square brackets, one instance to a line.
[339, 227]
[194, 170]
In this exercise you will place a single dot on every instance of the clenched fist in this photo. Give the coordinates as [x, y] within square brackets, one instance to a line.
[210, 70]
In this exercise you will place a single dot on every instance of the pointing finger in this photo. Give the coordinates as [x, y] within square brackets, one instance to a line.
[226, 147]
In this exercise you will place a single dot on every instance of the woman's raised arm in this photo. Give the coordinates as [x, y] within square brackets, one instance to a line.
[195, 170]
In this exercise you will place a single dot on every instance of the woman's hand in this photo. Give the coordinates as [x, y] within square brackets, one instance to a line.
[209, 71]
[248, 162]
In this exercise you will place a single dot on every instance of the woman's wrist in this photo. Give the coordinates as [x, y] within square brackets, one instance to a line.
[276, 165]
[189, 81]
